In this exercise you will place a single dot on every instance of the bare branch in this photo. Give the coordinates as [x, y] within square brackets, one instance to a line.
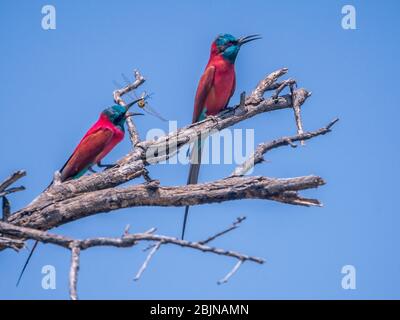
[139, 80]
[133, 133]
[286, 83]
[299, 97]
[293, 198]
[231, 273]
[146, 262]
[14, 244]
[122, 242]
[11, 179]
[232, 227]
[117, 94]
[74, 269]
[228, 189]
[266, 84]
[6, 209]
[127, 240]
[258, 155]
[11, 190]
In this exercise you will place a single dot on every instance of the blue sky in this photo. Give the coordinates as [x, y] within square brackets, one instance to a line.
[55, 83]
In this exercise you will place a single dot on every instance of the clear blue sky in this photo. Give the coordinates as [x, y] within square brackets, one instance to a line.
[54, 84]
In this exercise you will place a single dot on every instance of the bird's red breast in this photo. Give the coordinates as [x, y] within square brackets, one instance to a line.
[215, 88]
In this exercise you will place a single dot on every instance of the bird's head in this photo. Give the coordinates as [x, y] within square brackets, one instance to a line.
[228, 46]
[116, 114]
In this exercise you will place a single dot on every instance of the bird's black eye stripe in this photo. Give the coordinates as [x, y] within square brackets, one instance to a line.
[119, 118]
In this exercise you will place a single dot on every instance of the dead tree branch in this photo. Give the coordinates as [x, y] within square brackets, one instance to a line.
[258, 155]
[228, 189]
[125, 241]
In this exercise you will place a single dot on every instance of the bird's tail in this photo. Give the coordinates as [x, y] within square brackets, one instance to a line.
[193, 177]
[36, 242]
[26, 262]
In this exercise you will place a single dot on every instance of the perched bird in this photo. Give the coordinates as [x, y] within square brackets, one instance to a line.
[101, 138]
[215, 88]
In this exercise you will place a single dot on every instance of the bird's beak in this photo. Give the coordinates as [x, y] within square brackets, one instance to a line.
[130, 104]
[243, 40]
[133, 114]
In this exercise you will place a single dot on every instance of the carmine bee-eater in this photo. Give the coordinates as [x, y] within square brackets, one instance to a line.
[101, 138]
[215, 88]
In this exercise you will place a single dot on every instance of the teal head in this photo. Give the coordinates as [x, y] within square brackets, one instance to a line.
[228, 46]
[117, 115]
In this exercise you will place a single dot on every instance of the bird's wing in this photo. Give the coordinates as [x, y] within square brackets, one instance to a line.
[205, 84]
[86, 152]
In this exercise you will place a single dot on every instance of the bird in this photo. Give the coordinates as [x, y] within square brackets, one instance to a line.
[215, 89]
[98, 141]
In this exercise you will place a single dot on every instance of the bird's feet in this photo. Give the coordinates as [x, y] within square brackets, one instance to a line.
[92, 170]
[214, 118]
[226, 110]
[105, 166]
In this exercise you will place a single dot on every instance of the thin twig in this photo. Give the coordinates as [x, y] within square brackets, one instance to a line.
[15, 244]
[286, 83]
[264, 85]
[11, 190]
[139, 80]
[231, 273]
[74, 269]
[148, 258]
[117, 94]
[258, 155]
[11, 179]
[6, 209]
[298, 98]
[232, 227]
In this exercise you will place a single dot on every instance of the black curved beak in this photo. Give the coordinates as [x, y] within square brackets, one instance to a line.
[133, 114]
[130, 104]
[243, 40]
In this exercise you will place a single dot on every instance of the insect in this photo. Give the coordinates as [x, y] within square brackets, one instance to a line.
[142, 101]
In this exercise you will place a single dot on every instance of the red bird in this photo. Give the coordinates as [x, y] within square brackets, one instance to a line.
[101, 138]
[215, 88]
